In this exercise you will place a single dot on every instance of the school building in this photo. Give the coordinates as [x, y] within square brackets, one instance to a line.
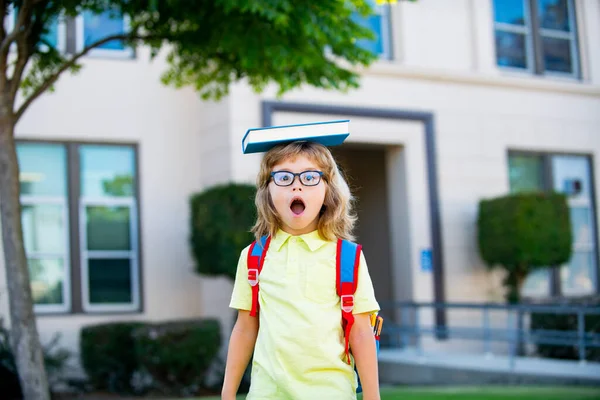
[470, 99]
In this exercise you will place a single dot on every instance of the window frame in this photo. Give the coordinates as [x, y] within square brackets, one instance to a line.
[66, 292]
[383, 10]
[76, 283]
[126, 53]
[32, 200]
[534, 35]
[384, 14]
[86, 255]
[526, 31]
[555, 289]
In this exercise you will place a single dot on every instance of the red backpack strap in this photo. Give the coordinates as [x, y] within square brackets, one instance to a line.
[256, 259]
[347, 261]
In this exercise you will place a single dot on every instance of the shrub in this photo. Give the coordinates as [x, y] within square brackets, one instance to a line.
[566, 322]
[176, 355]
[221, 219]
[524, 231]
[9, 379]
[108, 355]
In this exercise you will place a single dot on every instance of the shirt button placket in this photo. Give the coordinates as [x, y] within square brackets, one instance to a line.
[293, 253]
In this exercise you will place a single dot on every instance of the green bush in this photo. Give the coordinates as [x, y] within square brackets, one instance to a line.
[221, 219]
[566, 322]
[176, 355]
[524, 231]
[108, 355]
[9, 378]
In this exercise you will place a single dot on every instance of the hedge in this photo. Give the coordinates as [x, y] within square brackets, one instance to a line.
[567, 322]
[169, 357]
[221, 219]
[177, 355]
[108, 355]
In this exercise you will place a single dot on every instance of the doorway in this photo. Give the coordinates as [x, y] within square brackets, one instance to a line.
[364, 168]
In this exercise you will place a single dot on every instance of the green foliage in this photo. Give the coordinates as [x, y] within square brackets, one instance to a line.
[119, 186]
[531, 228]
[541, 322]
[55, 360]
[9, 378]
[221, 218]
[108, 355]
[496, 391]
[137, 357]
[524, 231]
[212, 44]
[177, 355]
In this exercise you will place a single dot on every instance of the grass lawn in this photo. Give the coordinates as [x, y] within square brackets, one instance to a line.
[485, 393]
[493, 393]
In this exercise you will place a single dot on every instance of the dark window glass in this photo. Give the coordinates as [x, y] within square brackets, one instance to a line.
[110, 281]
[557, 55]
[511, 49]
[554, 14]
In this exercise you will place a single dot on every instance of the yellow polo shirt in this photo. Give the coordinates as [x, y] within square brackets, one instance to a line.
[299, 352]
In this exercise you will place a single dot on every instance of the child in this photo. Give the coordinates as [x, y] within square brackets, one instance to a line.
[304, 204]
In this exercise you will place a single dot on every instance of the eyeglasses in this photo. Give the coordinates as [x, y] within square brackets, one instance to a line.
[286, 178]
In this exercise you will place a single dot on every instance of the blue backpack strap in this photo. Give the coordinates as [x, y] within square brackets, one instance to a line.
[347, 261]
[256, 258]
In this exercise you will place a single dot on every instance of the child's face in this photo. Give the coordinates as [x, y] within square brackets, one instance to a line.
[298, 205]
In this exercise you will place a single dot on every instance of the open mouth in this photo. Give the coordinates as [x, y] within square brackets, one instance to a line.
[297, 206]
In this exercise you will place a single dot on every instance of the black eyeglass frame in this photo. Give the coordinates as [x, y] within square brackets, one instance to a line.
[299, 175]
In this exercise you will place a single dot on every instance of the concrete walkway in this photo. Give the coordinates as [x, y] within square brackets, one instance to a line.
[408, 366]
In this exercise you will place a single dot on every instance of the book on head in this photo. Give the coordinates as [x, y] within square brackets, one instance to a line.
[328, 133]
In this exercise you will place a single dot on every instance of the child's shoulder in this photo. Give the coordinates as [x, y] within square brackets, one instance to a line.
[245, 250]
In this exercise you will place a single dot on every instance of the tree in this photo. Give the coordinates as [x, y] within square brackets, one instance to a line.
[210, 44]
[520, 232]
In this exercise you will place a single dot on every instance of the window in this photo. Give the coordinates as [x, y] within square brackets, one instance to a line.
[44, 216]
[108, 228]
[538, 36]
[54, 37]
[379, 23]
[569, 174]
[92, 27]
[526, 173]
[98, 220]
[572, 175]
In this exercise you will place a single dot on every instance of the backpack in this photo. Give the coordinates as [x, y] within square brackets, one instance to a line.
[347, 261]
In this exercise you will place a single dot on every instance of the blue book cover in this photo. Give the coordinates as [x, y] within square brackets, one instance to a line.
[328, 133]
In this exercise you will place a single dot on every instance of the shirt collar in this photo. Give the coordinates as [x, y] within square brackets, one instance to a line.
[312, 240]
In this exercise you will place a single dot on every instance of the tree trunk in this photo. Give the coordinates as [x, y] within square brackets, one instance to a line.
[24, 335]
[521, 275]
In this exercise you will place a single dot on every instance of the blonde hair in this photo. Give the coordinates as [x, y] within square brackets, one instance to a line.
[336, 219]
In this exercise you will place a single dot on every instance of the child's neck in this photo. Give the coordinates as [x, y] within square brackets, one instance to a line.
[297, 232]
